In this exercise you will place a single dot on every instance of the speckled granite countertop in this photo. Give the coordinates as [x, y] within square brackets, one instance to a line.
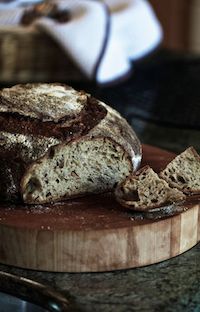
[173, 285]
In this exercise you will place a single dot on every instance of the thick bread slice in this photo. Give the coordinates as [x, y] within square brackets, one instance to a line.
[183, 172]
[34, 117]
[145, 190]
[87, 165]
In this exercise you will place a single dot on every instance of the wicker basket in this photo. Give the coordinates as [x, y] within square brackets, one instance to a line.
[26, 55]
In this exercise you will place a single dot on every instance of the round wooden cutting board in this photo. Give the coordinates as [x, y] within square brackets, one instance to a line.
[94, 233]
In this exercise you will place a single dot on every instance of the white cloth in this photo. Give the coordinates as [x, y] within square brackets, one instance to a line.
[102, 38]
[6, 4]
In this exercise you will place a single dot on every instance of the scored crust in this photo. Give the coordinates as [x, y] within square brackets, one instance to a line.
[45, 102]
[44, 113]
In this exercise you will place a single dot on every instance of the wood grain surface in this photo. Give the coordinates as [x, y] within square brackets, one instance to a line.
[94, 233]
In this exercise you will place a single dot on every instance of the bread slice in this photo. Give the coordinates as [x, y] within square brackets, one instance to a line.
[183, 172]
[145, 190]
[35, 117]
[87, 165]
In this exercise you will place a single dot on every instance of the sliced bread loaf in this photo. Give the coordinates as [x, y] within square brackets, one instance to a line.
[145, 190]
[89, 135]
[87, 165]
[183, 172]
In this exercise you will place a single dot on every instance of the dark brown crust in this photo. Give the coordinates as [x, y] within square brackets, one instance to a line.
[94, 120]
[11, 170]
[117, 128]
[11, 102]
[166, 211]
[144, 209]
[160, 212]
[13, 165]
[65, 130]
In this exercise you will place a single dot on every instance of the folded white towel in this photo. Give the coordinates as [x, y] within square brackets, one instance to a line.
[136, 26]
[102, 37]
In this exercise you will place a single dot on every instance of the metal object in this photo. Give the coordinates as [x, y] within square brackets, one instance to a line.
[10, 303]
[27, 295]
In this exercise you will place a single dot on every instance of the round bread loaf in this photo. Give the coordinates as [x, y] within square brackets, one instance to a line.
[58, 143]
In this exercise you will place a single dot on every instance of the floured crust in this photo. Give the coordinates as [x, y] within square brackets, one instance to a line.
[68, 128]
[34, 117]
[16, 153]
[46, 102]
[28, 148]
[117, 128]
